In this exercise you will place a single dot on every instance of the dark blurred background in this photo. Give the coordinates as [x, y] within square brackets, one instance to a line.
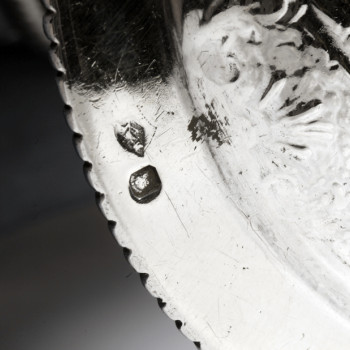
[64, 283]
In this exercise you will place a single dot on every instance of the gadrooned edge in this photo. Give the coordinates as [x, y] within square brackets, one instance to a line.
[87, 164]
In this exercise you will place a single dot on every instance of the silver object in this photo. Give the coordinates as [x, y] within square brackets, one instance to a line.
[240, 112]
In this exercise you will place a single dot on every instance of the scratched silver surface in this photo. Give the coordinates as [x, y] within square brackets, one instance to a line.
[215, 134]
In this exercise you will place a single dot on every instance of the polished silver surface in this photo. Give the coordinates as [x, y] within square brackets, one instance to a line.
[217, 136]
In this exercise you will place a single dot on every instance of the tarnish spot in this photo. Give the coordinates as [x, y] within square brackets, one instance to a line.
[224, 39]
[297, 146]
[208, 126]
[303, 107]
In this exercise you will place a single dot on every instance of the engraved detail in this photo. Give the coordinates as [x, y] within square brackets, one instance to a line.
[131, 136]
[145, 184]
[288, 128]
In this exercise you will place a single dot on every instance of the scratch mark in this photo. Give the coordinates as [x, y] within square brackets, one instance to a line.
[228, 256]
[149, 66]
[177, 214]
[163, 133]
[159, 115]
[98, 140]
[212, 329]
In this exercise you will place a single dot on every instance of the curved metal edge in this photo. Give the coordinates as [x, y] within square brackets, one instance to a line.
[88, 169]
